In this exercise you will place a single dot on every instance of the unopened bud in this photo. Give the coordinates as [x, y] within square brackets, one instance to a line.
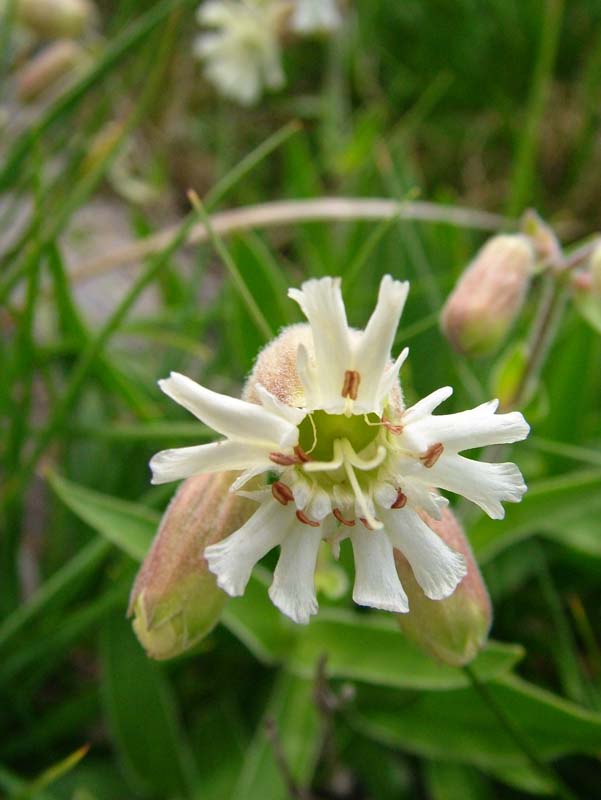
[56, 18]
[276, 369]
[52, 63]
[542, 236]
[175, 600]
[489, 295]
[455, 629]
[586, 290]
[595, 267]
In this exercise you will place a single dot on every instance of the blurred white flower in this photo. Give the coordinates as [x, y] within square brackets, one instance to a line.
[310, 16]
[241, 52]
[348, 460]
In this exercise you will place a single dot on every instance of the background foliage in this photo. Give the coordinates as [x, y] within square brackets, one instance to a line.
[491, 105]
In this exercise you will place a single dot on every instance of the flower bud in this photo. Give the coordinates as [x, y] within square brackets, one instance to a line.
[56, 18]
[175, 601]
[52, 63]
[275, 369]
[595, 266]
[489, 295]
[455, 629]
[542, 236]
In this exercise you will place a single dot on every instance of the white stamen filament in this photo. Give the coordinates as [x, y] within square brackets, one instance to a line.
[358, 492]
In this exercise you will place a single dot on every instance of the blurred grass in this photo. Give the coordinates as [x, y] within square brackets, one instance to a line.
[494, 107]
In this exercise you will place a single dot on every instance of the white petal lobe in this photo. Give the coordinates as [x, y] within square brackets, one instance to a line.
[486, 485]
[478, 427]
[372, 355]
[377, 583]
[228, 415]
[183, 462]
[321, 302]
[232, 560]
[293, 586]
[436, 567]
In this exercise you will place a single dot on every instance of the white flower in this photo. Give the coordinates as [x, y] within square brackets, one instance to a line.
[311, 16]
[241, 53]
[350, 462]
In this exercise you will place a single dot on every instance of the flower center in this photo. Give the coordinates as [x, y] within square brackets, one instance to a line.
[319, 430]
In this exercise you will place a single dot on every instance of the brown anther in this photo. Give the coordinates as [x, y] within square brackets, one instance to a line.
[348, 522]
[281, 492]
[302, 517]
[366, 523]
[350, 387]
[396, 429]
[401, 500]
[283, 460]
[432, 454]
[301, 455]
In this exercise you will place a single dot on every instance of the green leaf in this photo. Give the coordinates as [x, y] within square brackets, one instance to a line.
[446, 781]
[459, 726]
[141, 713]
[363, 647]
[292, 716]
[130, 526]
[548, 504]
[358, 646]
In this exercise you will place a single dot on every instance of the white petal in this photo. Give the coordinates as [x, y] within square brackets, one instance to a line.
[384, 494]
[321, 302]
[377, 583]
[484, 484]
[372, 355]
[308, 377]
[228, 415]
[293, 587]
[391, 375]
[478, 427]
[232, 560]
[419, 496]
[288, 413]
[319, 506]
[436, 567]
[301, 489]
[183, 462]
[426, 405]
[251, 473]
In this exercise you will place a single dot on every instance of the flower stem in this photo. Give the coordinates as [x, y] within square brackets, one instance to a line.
[291, 212]
[546, 771]
[544, 330]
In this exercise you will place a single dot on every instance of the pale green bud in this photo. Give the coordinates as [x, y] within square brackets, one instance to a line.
[175, 601]
[542, 236]
[489, 295]
[56, 18]
[455, 629]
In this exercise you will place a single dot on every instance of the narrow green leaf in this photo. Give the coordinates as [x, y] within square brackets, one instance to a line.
[458, 726]
[59, 585]
[362, 647]
[142, 716]
[547, 504]
[292, 716]
[130, 526]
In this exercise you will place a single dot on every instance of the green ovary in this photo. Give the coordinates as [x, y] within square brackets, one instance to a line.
[318, 438]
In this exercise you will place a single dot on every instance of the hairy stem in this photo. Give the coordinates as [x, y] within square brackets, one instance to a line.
[289, 212]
